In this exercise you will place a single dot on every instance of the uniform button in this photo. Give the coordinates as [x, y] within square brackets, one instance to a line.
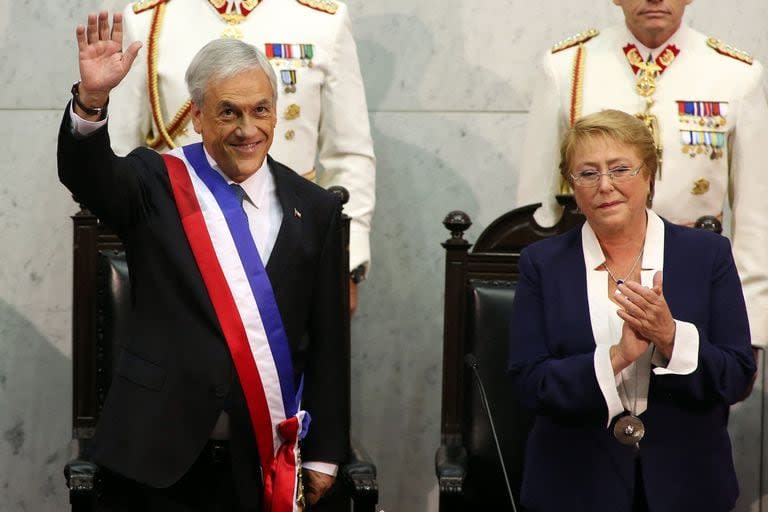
[292, 111]
[220, 391]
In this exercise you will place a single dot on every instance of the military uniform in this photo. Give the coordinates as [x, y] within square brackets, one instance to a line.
[322, 113]
[707, 107]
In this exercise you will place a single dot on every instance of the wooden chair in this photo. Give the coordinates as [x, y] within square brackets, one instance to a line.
[100, 316]
[479, 290]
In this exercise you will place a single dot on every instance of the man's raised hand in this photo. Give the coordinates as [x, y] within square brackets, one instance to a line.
[103, 63]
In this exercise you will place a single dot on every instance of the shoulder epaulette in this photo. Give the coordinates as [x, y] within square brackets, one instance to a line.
[572, 41]
[328, 6]
[730, 51]
[145, 5]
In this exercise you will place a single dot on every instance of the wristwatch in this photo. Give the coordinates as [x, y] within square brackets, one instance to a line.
[358, 274]
[91, 111]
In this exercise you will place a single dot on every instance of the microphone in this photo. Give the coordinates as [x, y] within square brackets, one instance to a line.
[473, 363]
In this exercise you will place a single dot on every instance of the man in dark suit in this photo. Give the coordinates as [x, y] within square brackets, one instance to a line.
[235, 265]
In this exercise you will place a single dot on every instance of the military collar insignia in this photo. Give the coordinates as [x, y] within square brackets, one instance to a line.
[729, 51]
[572, 41]
[328, 6]
[234, 11]
[657, 66]
[145, 5]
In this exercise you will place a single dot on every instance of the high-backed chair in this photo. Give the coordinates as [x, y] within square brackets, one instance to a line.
[479, 290]
[101, 314]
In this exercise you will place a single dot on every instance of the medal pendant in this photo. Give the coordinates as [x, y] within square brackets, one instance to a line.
[645, 86]
[629, 430]
[232, 32]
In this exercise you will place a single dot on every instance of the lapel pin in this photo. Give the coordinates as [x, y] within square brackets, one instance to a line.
[296, 213]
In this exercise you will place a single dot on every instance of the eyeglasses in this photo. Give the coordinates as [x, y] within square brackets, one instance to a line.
[591, 178]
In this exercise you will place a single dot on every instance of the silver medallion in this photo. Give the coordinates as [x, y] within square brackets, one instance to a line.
[629, 430]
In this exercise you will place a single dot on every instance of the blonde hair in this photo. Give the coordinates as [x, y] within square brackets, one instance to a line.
[617, 126]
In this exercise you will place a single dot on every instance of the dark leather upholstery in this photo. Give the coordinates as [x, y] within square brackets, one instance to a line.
[490, 303]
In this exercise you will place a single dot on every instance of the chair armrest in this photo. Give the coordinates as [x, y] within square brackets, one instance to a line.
[451, 467]
[80, 475]
[81, 478]
[360, 475]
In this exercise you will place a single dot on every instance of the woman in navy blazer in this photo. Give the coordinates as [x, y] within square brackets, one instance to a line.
[629, 341]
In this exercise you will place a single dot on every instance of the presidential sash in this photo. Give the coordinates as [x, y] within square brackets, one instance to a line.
[217, 230]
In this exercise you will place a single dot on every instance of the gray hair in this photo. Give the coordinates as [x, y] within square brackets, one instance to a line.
[223, 58]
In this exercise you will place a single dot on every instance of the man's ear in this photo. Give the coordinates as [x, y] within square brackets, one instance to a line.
[197, 122]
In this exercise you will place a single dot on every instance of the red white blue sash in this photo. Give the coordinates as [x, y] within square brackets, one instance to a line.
[217, 230]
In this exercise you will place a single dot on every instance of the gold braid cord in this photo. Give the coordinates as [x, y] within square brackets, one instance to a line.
[328, 6]
[577, 85]
[577, 97]
[165, 135]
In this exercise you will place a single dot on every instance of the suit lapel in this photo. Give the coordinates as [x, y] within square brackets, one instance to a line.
[574, 286]
[289, 235]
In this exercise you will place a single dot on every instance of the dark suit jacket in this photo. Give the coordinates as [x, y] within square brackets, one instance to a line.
[572, 461]
[175, 374]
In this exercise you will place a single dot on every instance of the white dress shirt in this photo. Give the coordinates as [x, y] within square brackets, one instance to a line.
[261, 205]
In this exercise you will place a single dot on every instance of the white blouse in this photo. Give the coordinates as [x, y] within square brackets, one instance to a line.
[628, 390]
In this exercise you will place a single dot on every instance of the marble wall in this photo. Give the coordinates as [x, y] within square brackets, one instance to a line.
[448, 86]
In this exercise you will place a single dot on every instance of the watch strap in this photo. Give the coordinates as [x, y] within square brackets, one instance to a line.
[357, 274]
[91, 111]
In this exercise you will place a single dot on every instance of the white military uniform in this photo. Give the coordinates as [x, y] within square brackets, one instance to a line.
[712, 114]
[322, 112]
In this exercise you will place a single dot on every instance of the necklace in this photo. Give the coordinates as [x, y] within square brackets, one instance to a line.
[629, 429]
[634, 264]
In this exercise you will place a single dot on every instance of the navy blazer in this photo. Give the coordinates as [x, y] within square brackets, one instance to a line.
[572, 460]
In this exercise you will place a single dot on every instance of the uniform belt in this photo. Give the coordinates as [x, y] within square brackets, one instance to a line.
[692, 224]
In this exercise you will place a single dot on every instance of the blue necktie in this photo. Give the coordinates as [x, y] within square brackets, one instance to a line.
[239, 192]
